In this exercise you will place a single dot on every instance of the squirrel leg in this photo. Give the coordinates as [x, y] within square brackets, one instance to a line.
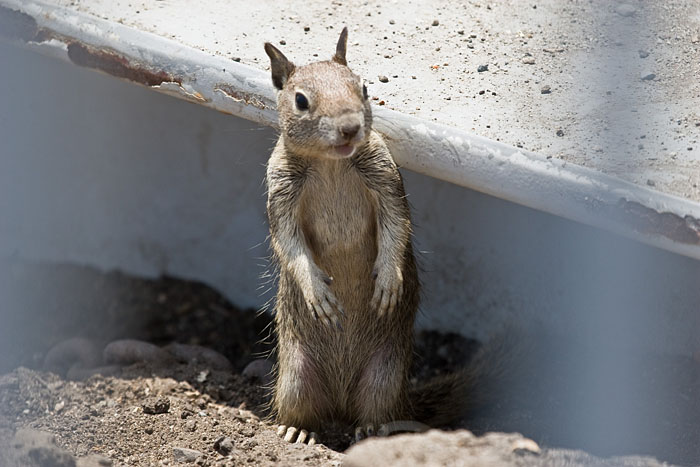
[299, 400]
[380, 395]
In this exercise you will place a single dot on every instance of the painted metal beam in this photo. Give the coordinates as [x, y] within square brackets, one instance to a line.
[447, 153]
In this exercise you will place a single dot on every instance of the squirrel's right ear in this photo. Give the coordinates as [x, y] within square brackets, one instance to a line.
[281, 67]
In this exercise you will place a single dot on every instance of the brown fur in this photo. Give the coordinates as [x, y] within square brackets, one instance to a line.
[348, 286]
[340, 232]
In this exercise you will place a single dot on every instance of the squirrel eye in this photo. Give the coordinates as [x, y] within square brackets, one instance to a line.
[301, 101]
[364, 91]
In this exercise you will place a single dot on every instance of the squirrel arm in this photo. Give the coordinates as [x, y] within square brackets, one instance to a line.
[382, 177]
[286, 236]
[285, 181]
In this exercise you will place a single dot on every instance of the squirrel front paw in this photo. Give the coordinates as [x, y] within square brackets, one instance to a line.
[388, 289]
[321, 301]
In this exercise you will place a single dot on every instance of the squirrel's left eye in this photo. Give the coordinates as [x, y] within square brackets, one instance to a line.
[301, 101]
[364, 91]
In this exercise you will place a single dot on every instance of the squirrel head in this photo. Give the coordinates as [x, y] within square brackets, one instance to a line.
[323, 106]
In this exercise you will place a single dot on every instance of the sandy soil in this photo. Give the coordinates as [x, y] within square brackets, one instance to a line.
[203, 403]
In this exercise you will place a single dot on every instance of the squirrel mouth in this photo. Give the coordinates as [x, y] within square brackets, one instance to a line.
[345, 150]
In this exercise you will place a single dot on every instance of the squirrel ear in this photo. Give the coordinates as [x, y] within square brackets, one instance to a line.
[281, 67]
[341, 48]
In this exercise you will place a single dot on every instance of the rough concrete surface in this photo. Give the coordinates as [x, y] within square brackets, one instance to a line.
[606, 85]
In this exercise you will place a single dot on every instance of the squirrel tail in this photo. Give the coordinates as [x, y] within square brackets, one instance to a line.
[447, 399]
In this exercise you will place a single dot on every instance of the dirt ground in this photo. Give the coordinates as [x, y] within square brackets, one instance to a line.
[161, 404]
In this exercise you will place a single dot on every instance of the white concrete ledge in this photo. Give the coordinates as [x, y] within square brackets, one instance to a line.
[447, 153]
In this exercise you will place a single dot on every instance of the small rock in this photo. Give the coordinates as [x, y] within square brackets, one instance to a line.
[651, 182]
[436, 22]
[185, 455]
[156, 407]
[391, 21]
[283, 42]
[307, 29]
[149, 430]
[383, 79]
[625, 9]
[236, 59]
[528, 60]
[525, 445]
[128, 351]
[482, 68]
[695, 39]
[191, 425]
[643, 53]
[59, 406]
[647, 75]
[546, 90]
[223, 445]
[560, 132]
[94, 460]
[460, 32]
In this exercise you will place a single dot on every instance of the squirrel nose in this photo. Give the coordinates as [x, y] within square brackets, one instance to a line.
[349, 130]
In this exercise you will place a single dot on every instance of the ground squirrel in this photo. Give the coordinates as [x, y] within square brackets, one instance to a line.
[340, 232]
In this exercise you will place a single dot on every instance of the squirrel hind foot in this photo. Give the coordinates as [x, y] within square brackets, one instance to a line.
[292, 434]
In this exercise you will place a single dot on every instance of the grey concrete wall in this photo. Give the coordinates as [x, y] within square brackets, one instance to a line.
[100, 172]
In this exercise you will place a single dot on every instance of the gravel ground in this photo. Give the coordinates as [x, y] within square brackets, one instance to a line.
[203, 402]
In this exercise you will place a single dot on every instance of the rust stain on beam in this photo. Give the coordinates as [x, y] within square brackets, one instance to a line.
[645, 220]
[246, 98]
[116, 65]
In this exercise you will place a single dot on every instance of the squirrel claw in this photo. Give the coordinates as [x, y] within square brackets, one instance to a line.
[292, 434]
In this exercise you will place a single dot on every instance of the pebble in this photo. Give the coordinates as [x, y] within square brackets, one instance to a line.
[128, 351]
[75, 351]
[391, 21]
[307, 29]
[383, 79]
[560, 132]
[643, 53]
[191, 425]
[695, 39]
[651, 182]
[94, 460]
[525, 445]
[188, 353]
[436, 22]
[185, 454]
[647, 75]
[482, 68]
[546, 90]
[528, 60]
[223, 445]
[625, 9]
[156, 407]
[283, 42]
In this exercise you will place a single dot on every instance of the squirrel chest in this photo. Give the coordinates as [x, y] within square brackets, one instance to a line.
[338, 219]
